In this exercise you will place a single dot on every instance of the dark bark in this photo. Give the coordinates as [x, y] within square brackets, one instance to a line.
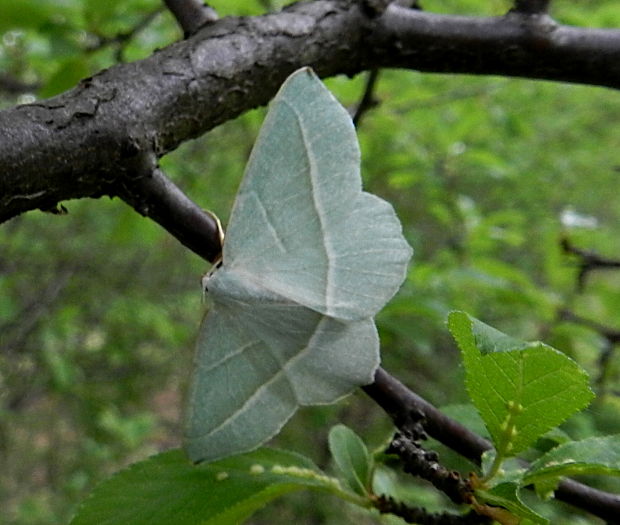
[157, 197]
[587, 261]
[120, 40]
[516, 45]
[104, 136]
[420, 516]
[532, 7]
[191, 15]
[399, 402]
[368, 100]
[92, 138]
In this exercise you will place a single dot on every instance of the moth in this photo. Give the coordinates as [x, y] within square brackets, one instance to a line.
[308, 260]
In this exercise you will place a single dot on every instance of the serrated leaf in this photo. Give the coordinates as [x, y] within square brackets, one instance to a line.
[352, 458]
[467, 415]
[595, 455]
[506, 495]
[521, 390]
[167, 488]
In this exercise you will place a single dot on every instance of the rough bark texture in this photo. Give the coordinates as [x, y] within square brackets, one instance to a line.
[191, 15]
[403, 406]
[99, 137]
[104, 137]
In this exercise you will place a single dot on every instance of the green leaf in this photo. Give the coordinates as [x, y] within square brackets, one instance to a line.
[521, 390]
[512, 469]
[26, 13]
[167, 489]
[507, 495]
[467, 415]
[352, 457]
[595, 455]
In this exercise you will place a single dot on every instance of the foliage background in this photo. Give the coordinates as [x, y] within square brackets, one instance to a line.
[99, 308]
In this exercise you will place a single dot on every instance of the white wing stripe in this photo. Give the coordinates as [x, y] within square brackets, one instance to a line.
[282, 371]
[318, 206]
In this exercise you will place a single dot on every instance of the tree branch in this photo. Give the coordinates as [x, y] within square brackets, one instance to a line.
[531, 7]
[368, 100]
[610, 334]
[122, 39]
[399, 403]
[515, 45]
[588, 261]
[191, 15]
[157, 197]
[424, 464]
[419, 516]
[87, 138]
[104, 136]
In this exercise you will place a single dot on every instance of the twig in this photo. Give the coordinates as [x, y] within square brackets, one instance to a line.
[400, 403]
[368, 100]
[531, 7]
[596, 502]
[121, 39]
[425, 464]
[375, 7]
[186, 89]
[604, 361]
[191, 15]
[588, 261]
[388, 505]
[157, 197]
[611, 336]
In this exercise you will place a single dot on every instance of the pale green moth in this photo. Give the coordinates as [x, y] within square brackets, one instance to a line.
[308, 260]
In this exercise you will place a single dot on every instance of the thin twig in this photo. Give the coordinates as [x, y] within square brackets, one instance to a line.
[122, 39]
[425, 464]
[388, 505]
[400, 403]
[191, 15]
[531, 7]
[610, 335]
[368, 100]
[157, 197]
[587, 261]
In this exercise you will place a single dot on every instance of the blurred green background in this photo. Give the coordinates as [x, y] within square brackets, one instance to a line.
[99, 308]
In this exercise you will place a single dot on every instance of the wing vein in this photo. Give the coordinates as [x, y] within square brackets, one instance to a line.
[269, 222]
[318, 206]
[228, 357]
[283, 370]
